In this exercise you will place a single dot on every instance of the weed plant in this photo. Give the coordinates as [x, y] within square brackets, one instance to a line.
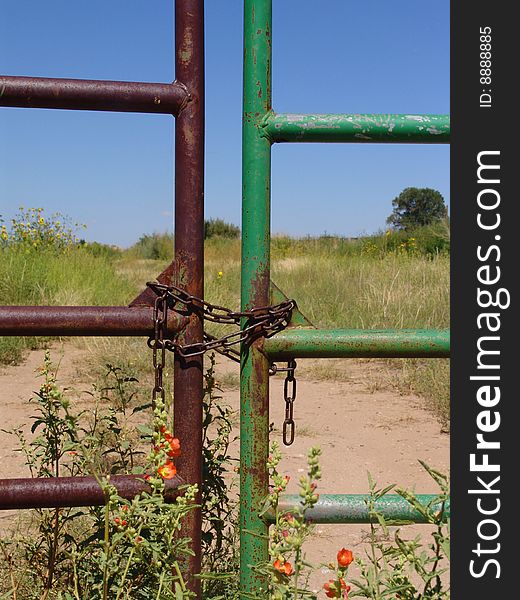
[125, 549]
[392, 567]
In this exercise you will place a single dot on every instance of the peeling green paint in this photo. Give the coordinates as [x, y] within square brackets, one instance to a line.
[353, 508]
[254, 379]
[261, 128]
[419, 129]
[358, 343]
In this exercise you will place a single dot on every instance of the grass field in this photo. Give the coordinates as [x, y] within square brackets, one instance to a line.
[336, 282]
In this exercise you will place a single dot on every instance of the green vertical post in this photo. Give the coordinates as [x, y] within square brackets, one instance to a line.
[254, 380]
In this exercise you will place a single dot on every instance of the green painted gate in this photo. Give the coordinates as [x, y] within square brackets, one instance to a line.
[262, 127]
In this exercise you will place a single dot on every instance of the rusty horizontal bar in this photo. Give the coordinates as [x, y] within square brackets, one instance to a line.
[58, 492]
[358, 343]
[353, 508]
[412, 129]
[85, 94]
[82, 320]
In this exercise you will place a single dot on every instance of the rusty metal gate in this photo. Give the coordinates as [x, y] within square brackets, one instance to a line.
[262, 127]
[184, 100]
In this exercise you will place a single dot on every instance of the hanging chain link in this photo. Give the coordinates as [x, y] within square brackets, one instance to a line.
[289, 395]
[156, 343]
[264, 321]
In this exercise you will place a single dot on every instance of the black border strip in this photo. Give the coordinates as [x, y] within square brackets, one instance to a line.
[482, 117]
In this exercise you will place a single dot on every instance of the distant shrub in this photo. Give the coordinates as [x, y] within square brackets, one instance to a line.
[429, 240]
[219, 228]
[104, 250]
[434, 238]
[157, 246]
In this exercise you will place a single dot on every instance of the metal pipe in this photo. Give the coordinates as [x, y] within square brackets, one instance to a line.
[58, 492]
[254, 380]
[358, 343]
[85, 94]
[411, 129]
[82, 320]
[353, 508]
[189, 257]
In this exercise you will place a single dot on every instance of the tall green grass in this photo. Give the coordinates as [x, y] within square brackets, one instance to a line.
[48, 278]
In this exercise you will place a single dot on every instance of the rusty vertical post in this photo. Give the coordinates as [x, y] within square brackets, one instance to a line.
[189, 251]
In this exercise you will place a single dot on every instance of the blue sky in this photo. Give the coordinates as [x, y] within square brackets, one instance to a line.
[114, 172]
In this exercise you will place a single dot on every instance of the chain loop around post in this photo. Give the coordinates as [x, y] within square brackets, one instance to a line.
[263, 321]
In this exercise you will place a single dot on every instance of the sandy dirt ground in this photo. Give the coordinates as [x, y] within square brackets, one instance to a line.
[361, 426]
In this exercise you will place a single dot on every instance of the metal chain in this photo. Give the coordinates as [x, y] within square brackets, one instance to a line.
[158, 346]
[289, 395]
[263, 321]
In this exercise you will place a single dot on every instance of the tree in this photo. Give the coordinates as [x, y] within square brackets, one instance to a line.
[416, 207]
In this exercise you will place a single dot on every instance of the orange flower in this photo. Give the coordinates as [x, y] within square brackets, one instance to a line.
[285, 567]
[344, 588]
[330, 589]
[336, 588]
[118, 521]
[345, 557]
[175, 447]
[167, 471]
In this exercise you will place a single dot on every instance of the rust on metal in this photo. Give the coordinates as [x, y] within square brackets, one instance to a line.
[86, 94]
[189, 257]
[58, 492]
[83, 320]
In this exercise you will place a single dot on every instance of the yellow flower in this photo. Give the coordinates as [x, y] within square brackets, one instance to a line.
[41, 220]
[220, 274]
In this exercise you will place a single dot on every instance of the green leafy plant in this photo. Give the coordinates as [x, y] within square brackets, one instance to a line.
[407, 569]
[219, 494]
[393, 568]
[122, 550]
[287, 572]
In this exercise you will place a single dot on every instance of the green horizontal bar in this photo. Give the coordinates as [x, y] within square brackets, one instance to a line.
[414, 129]
[353, 508]
[358, 343]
